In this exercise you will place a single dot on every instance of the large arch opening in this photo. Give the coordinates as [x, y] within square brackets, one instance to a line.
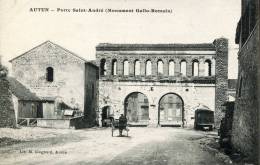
[137, 108]
[171, 110]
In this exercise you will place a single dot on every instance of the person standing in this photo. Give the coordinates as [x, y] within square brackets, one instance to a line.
[122, 124]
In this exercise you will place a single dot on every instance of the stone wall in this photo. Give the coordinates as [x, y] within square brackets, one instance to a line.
[7, 114]
[245, 126]
[91, 93]
[221, 77]
[113, 94]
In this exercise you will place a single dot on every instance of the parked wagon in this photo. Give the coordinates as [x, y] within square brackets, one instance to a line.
[115, 126]
[204, 119]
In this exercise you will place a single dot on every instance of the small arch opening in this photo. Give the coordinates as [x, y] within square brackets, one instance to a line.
[137, 68]
[183, 67]
[126, 68]
[103, 67]
[160, 67]
[208, 68]
[171, 68]
[114, 67]
[148, 68]
[195, 68]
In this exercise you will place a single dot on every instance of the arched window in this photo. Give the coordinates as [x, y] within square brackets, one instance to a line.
[171, 68]
[103, 67]
[126, 68]
[114, 67]
[183, 67]
[137, 68]
[207, 68]
[49, 74]
[148, 68]
[160, 67]
[195, 68]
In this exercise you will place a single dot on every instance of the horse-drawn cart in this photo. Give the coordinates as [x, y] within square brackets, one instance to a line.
[116, 125]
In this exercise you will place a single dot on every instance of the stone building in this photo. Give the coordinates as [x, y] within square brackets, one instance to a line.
[245, 125]
[162, 84]
[61, 79]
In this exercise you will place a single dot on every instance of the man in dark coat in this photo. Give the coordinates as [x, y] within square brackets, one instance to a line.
[122, 124]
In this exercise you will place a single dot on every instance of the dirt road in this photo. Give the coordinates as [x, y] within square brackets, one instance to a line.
[166, 146]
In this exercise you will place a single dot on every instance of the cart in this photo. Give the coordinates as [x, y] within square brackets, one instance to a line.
[115, 126]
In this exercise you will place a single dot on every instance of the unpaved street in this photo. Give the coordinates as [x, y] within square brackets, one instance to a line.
[96, 146]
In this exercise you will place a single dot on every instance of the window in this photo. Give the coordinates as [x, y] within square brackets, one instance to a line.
[137, 68]
[207, 68]
[160, 67]
[171, 68]
[49, 74]
[148, 68]
[114, 67]
[126, 68]
[183, 67]
[103, 67]
[195, 68]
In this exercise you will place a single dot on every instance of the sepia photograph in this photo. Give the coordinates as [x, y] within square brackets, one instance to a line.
[129, 82]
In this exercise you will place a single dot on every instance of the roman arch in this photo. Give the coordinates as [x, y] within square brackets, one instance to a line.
[174, 78]
[171, 110]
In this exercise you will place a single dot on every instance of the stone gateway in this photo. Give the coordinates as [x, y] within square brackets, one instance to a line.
[162, 84]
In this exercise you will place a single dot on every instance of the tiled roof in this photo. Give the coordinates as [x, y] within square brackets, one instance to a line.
[20, 91]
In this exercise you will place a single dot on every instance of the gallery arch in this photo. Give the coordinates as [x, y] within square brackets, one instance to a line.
[171, 68]
[183, 67]
[103, 67]
[126, 68]
[160, 67]
[207, 68]
[114, 67]
[195, 68]
[171, 108]
[148, 68]
[137, 108]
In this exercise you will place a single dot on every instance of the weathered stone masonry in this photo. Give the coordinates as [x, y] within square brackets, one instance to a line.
[245, 128]
[207, 88]
[7, 114]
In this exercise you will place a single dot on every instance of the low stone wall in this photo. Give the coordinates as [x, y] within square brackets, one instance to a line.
[59, 123]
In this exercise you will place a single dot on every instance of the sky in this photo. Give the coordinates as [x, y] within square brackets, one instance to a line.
[191, 21]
